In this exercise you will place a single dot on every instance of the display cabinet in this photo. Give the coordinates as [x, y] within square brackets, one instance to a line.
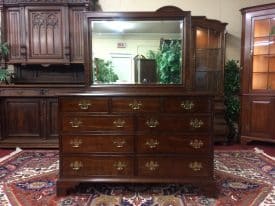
[208, 50]
[258, 74]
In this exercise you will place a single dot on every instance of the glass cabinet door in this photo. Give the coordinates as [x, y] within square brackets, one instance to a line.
[208, 59]
[263, 54]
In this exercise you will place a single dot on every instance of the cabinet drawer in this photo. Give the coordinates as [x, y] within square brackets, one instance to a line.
[105, 123]
[97, 143]
[87, 166]
[173, 144]
[185, 104]
[135, 104]
[176, 167]
[175, 123]
[86, 104]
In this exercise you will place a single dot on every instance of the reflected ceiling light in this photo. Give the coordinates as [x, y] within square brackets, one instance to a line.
[263, 43]
[119, 26]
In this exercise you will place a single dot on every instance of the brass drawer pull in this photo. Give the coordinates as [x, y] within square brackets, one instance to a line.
[119, 142]
[152, 143]
[152, 123]
[196, 144]
[120, 165]
[195, 166]
[84, 105]
[75, 123]
[187, 105]
[196, 123]
[76, 142]
[76, 165]
[152, 166]
[136, 105]
[119, 123]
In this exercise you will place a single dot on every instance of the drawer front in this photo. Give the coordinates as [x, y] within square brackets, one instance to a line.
[97, 143]
[86, 104]
[174, 167]
[96, 123]
[173, 144]
[135, 105]
[185, 104]
[175, 123]
[88, 166]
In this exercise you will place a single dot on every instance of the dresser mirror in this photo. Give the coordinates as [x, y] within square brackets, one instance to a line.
[137, 48]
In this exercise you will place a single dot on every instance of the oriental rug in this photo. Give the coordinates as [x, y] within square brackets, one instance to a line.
[243, 178]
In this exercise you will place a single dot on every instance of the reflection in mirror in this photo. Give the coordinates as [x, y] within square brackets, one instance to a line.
[137, 52]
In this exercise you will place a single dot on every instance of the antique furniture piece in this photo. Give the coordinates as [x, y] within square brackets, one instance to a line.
[258, 74]
[122, 131]
[46, 56]
[208, 48]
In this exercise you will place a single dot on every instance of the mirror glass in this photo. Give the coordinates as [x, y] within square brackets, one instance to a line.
[136, 52]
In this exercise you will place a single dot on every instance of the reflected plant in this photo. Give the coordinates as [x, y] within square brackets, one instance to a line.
[168, 60]
[103, 71]
[4, 73]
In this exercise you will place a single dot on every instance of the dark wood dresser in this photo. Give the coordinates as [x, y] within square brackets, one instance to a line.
[135, 138]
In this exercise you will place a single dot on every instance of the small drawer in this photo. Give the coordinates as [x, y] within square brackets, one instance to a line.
[187, 104]
[97, 144]
[175, 123]
[135, 104]
[85, 166]
[173, 144]
[95, 104]
[176, 167]
[93, 123]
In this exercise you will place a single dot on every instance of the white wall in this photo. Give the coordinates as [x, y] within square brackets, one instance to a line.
[223, 10]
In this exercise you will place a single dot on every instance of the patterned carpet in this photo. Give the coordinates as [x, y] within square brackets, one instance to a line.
[244, 178]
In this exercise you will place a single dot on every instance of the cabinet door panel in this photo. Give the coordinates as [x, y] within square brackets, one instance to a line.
[51, 118]
[261, 118]
[23, 117]
[46, 33]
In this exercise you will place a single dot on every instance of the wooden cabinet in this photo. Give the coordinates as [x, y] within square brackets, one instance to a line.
[258, 74]
[137, 138]
[48, 33]
[29, 122]
[29, 116]
[208, 50]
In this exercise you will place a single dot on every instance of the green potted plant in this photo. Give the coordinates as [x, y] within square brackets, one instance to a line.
[231, 96]
[4, 73]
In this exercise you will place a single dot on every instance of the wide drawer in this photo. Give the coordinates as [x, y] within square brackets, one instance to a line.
[174, 123]
[186, 104]
[173, 144]
[174, 167]
[136, 104]
[71, 122]
[83, 104]
[97, 143]
[88, 166]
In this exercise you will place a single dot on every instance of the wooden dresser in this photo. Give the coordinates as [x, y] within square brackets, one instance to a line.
[135, 138]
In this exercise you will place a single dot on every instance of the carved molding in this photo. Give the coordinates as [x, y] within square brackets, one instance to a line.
[44, 19]
[49, 2]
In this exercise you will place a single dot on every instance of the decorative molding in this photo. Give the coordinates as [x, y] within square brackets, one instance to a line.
[40, 19]
[49, 2]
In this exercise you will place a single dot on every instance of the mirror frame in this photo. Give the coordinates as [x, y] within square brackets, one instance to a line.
[163, 13]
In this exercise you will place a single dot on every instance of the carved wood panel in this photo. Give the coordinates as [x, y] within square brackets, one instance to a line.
[15, 34]
[76, 32]
[46, 32]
